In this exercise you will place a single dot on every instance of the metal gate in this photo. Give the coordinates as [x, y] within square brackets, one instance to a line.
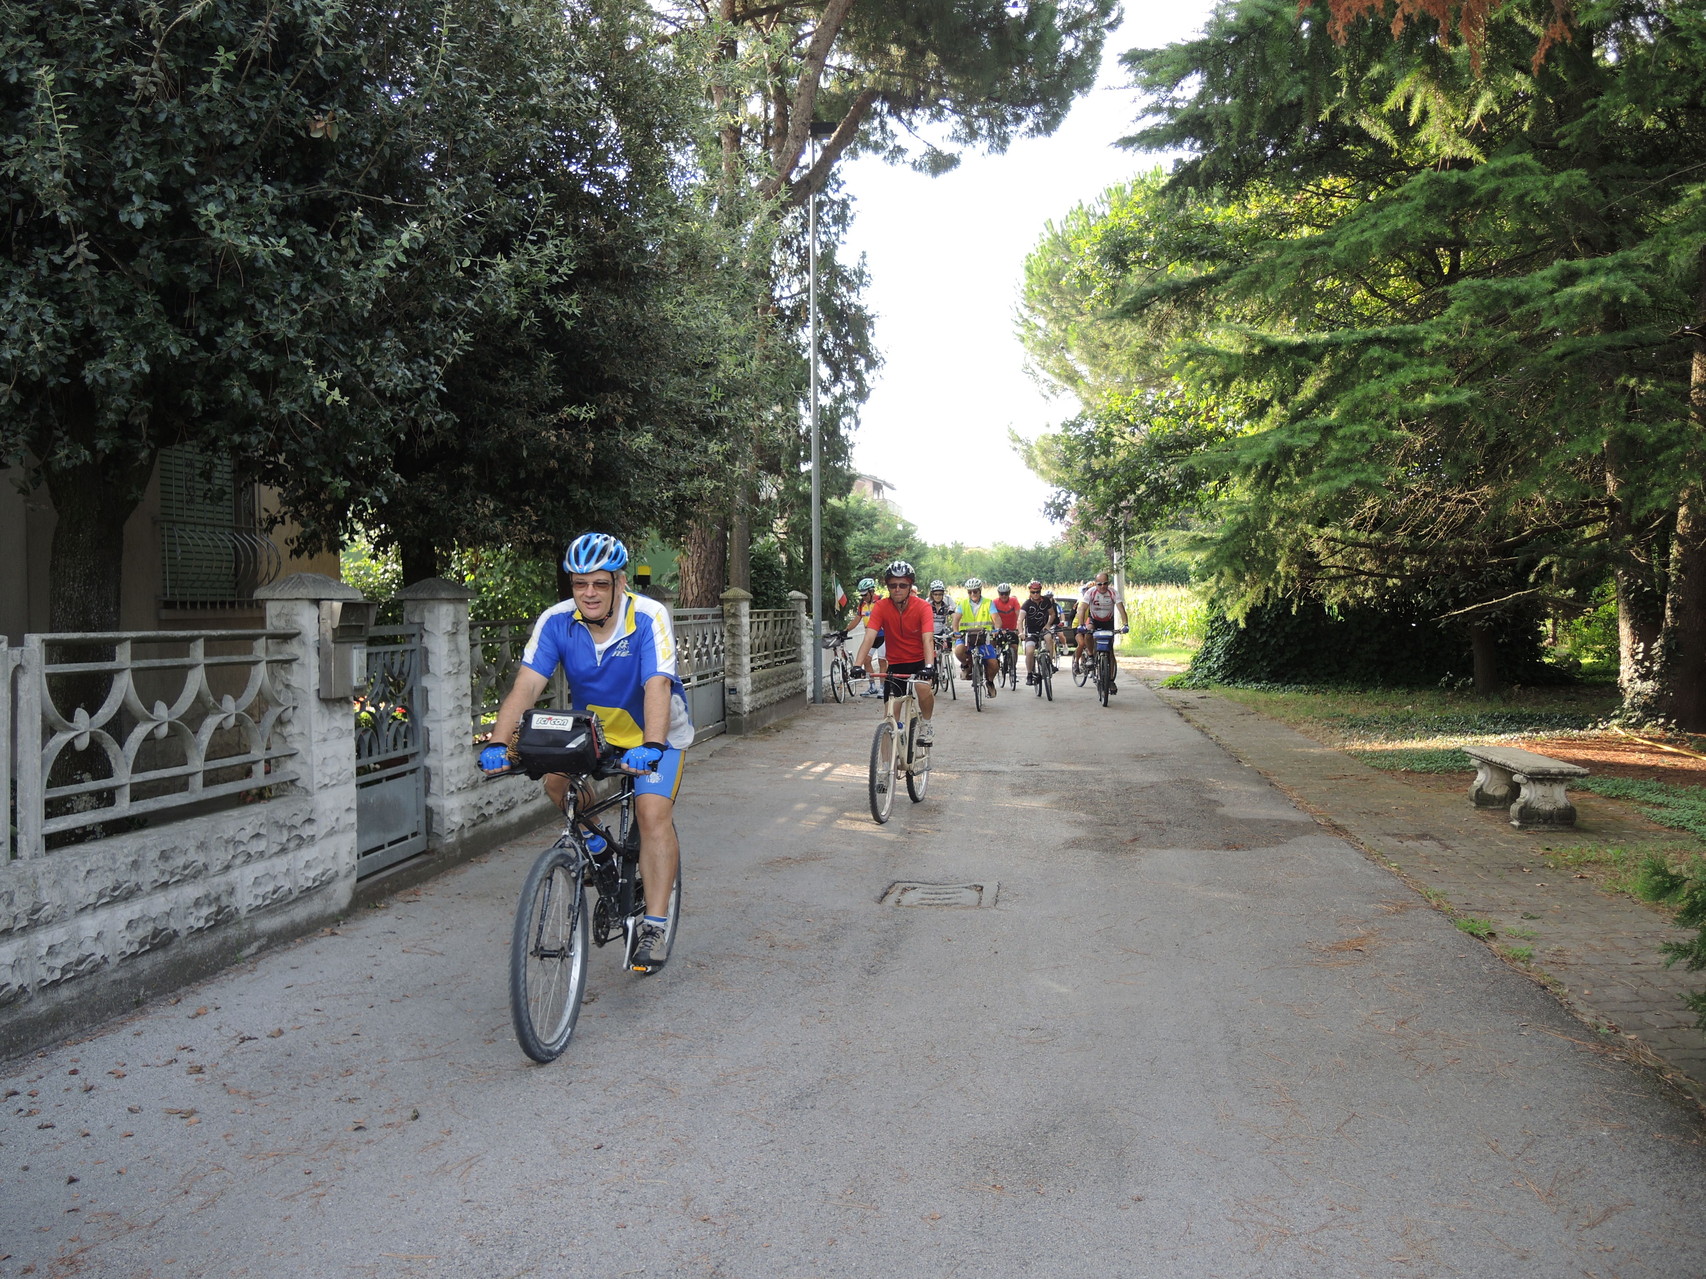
[390, 782]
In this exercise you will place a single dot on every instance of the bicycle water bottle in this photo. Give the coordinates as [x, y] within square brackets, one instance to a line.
[596, 843]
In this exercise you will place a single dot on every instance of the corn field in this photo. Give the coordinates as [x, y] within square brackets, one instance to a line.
[1174, 616]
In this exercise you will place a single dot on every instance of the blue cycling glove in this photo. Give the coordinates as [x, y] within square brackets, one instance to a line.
[494, 759]
[643, 759]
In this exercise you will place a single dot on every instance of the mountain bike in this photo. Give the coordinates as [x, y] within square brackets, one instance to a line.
[1083, 663]
[1008, 641]
[1045, 665]
[946, 665]
[599, 848]
[895, 752]
[840, 673]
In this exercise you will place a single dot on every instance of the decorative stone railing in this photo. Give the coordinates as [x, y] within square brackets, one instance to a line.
[495, 650]
[180, 718]
[701, 645]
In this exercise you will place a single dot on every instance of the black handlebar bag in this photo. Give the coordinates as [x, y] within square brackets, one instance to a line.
[569, 742]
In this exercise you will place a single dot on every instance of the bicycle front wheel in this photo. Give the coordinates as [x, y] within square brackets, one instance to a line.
[1046, 675]
[547, 955]
[977, 675]
[839, 688]
[1104, 676]
[884, 748]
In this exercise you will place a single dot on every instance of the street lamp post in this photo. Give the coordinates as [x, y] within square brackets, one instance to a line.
[820, 129]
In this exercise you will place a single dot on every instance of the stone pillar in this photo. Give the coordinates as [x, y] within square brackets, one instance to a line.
[737, 658]
[808, 641]
[321, 731]
[446, 709]
[467, 812]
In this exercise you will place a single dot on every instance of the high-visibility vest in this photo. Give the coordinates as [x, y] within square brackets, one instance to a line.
[978, 615]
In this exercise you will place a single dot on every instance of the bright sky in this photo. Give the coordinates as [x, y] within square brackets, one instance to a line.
[947, 258]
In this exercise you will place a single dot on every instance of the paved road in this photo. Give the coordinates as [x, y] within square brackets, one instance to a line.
[1194, 1035]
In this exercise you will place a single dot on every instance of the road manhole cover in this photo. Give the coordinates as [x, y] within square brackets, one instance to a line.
[908, 893]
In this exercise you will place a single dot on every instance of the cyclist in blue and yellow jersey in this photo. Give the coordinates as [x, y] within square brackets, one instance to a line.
[617, 650]
[978, 614]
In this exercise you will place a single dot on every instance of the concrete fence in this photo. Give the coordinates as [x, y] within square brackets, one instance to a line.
[179, 799]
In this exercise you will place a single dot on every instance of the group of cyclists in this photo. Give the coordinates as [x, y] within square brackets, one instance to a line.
[974, 627]
[617, 650]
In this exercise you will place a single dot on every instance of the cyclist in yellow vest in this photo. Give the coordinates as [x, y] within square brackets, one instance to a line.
[978, 615]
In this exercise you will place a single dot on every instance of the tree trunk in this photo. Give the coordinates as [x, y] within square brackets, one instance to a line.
[703, 554]
[1638, 579]
[1682, 646]
[1484, 651]
[421, 559]
[91, 504]
[1640, 618]
[1681, 693]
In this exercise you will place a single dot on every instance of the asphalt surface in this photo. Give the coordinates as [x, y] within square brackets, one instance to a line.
[1194, 1034]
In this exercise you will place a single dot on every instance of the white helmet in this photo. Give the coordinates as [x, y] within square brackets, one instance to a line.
[974, 583]
[938, 585]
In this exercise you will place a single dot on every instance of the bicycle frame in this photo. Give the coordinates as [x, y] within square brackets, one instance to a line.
[895, 754]
[614, 869]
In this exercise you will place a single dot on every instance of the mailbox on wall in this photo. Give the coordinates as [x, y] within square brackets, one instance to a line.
[343, 646]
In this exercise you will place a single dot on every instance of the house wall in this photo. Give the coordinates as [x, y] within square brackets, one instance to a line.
[26, 548]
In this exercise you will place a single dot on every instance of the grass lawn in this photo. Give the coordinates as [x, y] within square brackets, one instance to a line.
[1420, 731]
[1423, 719]
[1178, 653]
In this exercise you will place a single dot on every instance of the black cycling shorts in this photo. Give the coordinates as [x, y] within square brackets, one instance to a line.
[893, 687]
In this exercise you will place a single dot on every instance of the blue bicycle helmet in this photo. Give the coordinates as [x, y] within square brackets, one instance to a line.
[594, 553]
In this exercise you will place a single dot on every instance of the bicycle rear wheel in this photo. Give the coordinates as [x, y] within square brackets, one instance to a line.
[547, 955]
[1080, 668]
[918, 774]
[884, 748]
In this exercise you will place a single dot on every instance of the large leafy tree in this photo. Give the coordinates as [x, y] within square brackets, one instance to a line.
[1451, 350]
[914, 81]
[397, 260]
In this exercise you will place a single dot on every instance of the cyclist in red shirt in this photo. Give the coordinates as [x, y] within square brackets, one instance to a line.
[908, 627]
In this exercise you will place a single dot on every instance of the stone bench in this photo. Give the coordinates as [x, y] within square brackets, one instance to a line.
[1530, 785]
